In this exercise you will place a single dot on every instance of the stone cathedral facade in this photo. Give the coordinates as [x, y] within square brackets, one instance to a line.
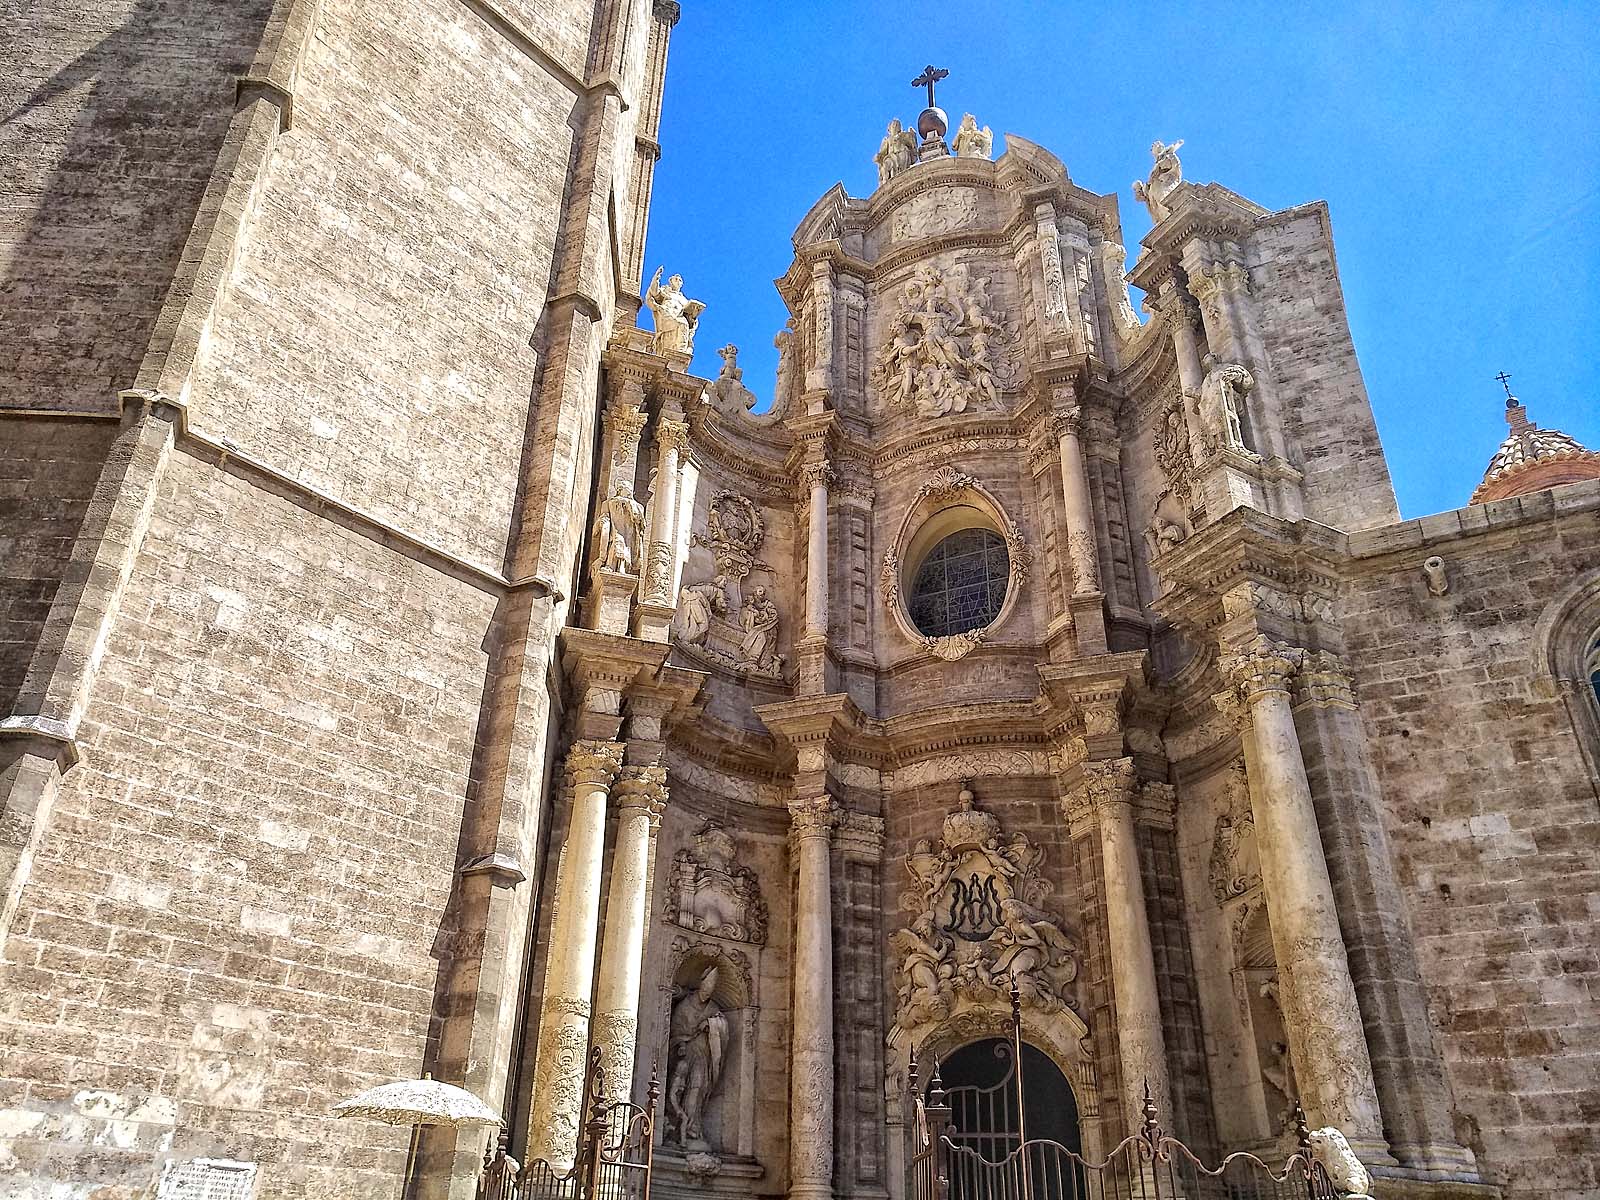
[409, 666]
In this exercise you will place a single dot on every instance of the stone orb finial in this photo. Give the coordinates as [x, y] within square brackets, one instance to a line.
[932, 124]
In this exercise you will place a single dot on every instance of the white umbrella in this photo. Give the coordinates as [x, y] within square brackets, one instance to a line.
[419, 1102]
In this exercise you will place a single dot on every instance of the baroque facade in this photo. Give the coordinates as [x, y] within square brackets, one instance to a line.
[409, 666]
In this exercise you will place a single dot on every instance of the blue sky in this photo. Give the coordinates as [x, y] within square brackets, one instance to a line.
[1456, 145]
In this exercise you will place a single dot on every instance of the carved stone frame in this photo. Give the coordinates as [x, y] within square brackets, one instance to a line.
[947, 503]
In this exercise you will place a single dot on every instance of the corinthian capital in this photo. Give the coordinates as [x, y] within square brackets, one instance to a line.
[642, 787]
[1067, 422]
[1263, 667]
[1108, 783]
[594, 761]
[813, 817]
[1325, 683]
[672, 433]
[818, 474]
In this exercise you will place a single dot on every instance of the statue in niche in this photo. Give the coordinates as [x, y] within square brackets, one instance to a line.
[619, 531]
[676, 316]
[727, 392]
[1222, 399]
[1276, 1059]
[897, 152]
[977, 929]
[699, 1043]
[696, 604]
[970, 141]
[784, 391]
[713, 893]
[1165, 176]
[759, 619]
[947, 348]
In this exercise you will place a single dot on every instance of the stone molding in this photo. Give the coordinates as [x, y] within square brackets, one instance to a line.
[1324, 683]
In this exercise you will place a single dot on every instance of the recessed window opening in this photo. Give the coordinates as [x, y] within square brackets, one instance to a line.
[961, 583]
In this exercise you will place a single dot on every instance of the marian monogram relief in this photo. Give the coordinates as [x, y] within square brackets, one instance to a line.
[948, 349]
[978, 930]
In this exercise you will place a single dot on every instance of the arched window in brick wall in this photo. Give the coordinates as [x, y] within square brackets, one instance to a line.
[1567, 642]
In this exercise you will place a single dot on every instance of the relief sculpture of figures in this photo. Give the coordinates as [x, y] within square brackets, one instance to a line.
[696, 603]
[897, 152]
[1165, 176]
[760, 623]
[619, 531]
[970, 141]
[947, 349]
[699, 1033]
[676, 315]
[1222, 399]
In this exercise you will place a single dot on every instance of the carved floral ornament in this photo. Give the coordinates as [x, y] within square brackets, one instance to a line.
[948, 501]
[1235, 867]
[978, 929]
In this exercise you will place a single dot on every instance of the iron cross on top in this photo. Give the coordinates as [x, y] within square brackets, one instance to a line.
[930, 76]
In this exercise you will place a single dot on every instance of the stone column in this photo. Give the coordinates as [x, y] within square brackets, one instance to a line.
[640, 793]
[817, 476]
[1141, 1045]
[1078, 507]
[1326, 1038]
[811, 1024]
[671, 437]
[555, 1115]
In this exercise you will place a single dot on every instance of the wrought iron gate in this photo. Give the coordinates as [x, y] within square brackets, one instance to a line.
[615, 1152]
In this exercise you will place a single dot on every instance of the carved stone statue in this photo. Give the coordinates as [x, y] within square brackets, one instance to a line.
[1113, 261]
[727, 392]
[1345, 1171]
[1165, 176]
[696, 603]
[619, 531]
[676, 315]
[784, 391]
[759, 620]
[699, 1042]
[970, 141]
[927, 968]
[947, 349]
[1222, 399]
[897, 152]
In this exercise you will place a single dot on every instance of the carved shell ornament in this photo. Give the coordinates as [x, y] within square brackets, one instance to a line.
[949, 348]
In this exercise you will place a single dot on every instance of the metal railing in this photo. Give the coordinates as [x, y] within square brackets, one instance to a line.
[614, 1156]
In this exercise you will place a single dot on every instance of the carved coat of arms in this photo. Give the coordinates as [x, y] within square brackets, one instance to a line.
[979, 928]
[711, 892]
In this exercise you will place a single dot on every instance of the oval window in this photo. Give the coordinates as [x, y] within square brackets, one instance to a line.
[960, 584]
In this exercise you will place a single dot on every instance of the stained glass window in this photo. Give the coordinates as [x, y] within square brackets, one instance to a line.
[961, 584]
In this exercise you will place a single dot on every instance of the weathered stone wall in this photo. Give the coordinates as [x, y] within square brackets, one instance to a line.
[232, 923]
[111, 117]
[1332, 436]
[48, 470]
[1492, 812]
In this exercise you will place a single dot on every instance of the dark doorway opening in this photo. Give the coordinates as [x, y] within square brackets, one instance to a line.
[980, 1080]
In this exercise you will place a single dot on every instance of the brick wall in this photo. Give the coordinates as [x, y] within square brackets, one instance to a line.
[232, 924]
[114, 113]
[1494, 818]
[48, 470]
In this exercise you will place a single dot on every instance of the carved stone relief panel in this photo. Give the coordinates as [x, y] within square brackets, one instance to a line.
[978, 930]
[936, 211]
[712, 892]
[717, 621]
[1235, 859]
[949, 347]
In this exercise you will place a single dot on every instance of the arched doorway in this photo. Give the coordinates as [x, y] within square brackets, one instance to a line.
[980, 1083]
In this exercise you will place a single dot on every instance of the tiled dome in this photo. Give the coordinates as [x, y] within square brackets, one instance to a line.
[1532, 459]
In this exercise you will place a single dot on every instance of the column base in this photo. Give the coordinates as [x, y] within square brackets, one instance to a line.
[810, 1191]
[1435, 1161]
[1089, 620]
[811, 666]
[610, 601]
[652, 621]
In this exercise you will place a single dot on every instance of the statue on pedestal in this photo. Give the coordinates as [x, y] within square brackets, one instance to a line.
[699, 1041]
[970, 141]
[897, 152]
[619, 531]
[1222, 398]
[727, 392]
[1165, 176]
[676, 315]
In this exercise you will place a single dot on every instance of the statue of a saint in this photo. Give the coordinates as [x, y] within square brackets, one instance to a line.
[699, 1042]
[727, 392]
[675, 314]
[619, 531]
[1222, 399]
[1165, 176]
[970, 141]
[897, 152]
[696, 603]
[760, 622]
